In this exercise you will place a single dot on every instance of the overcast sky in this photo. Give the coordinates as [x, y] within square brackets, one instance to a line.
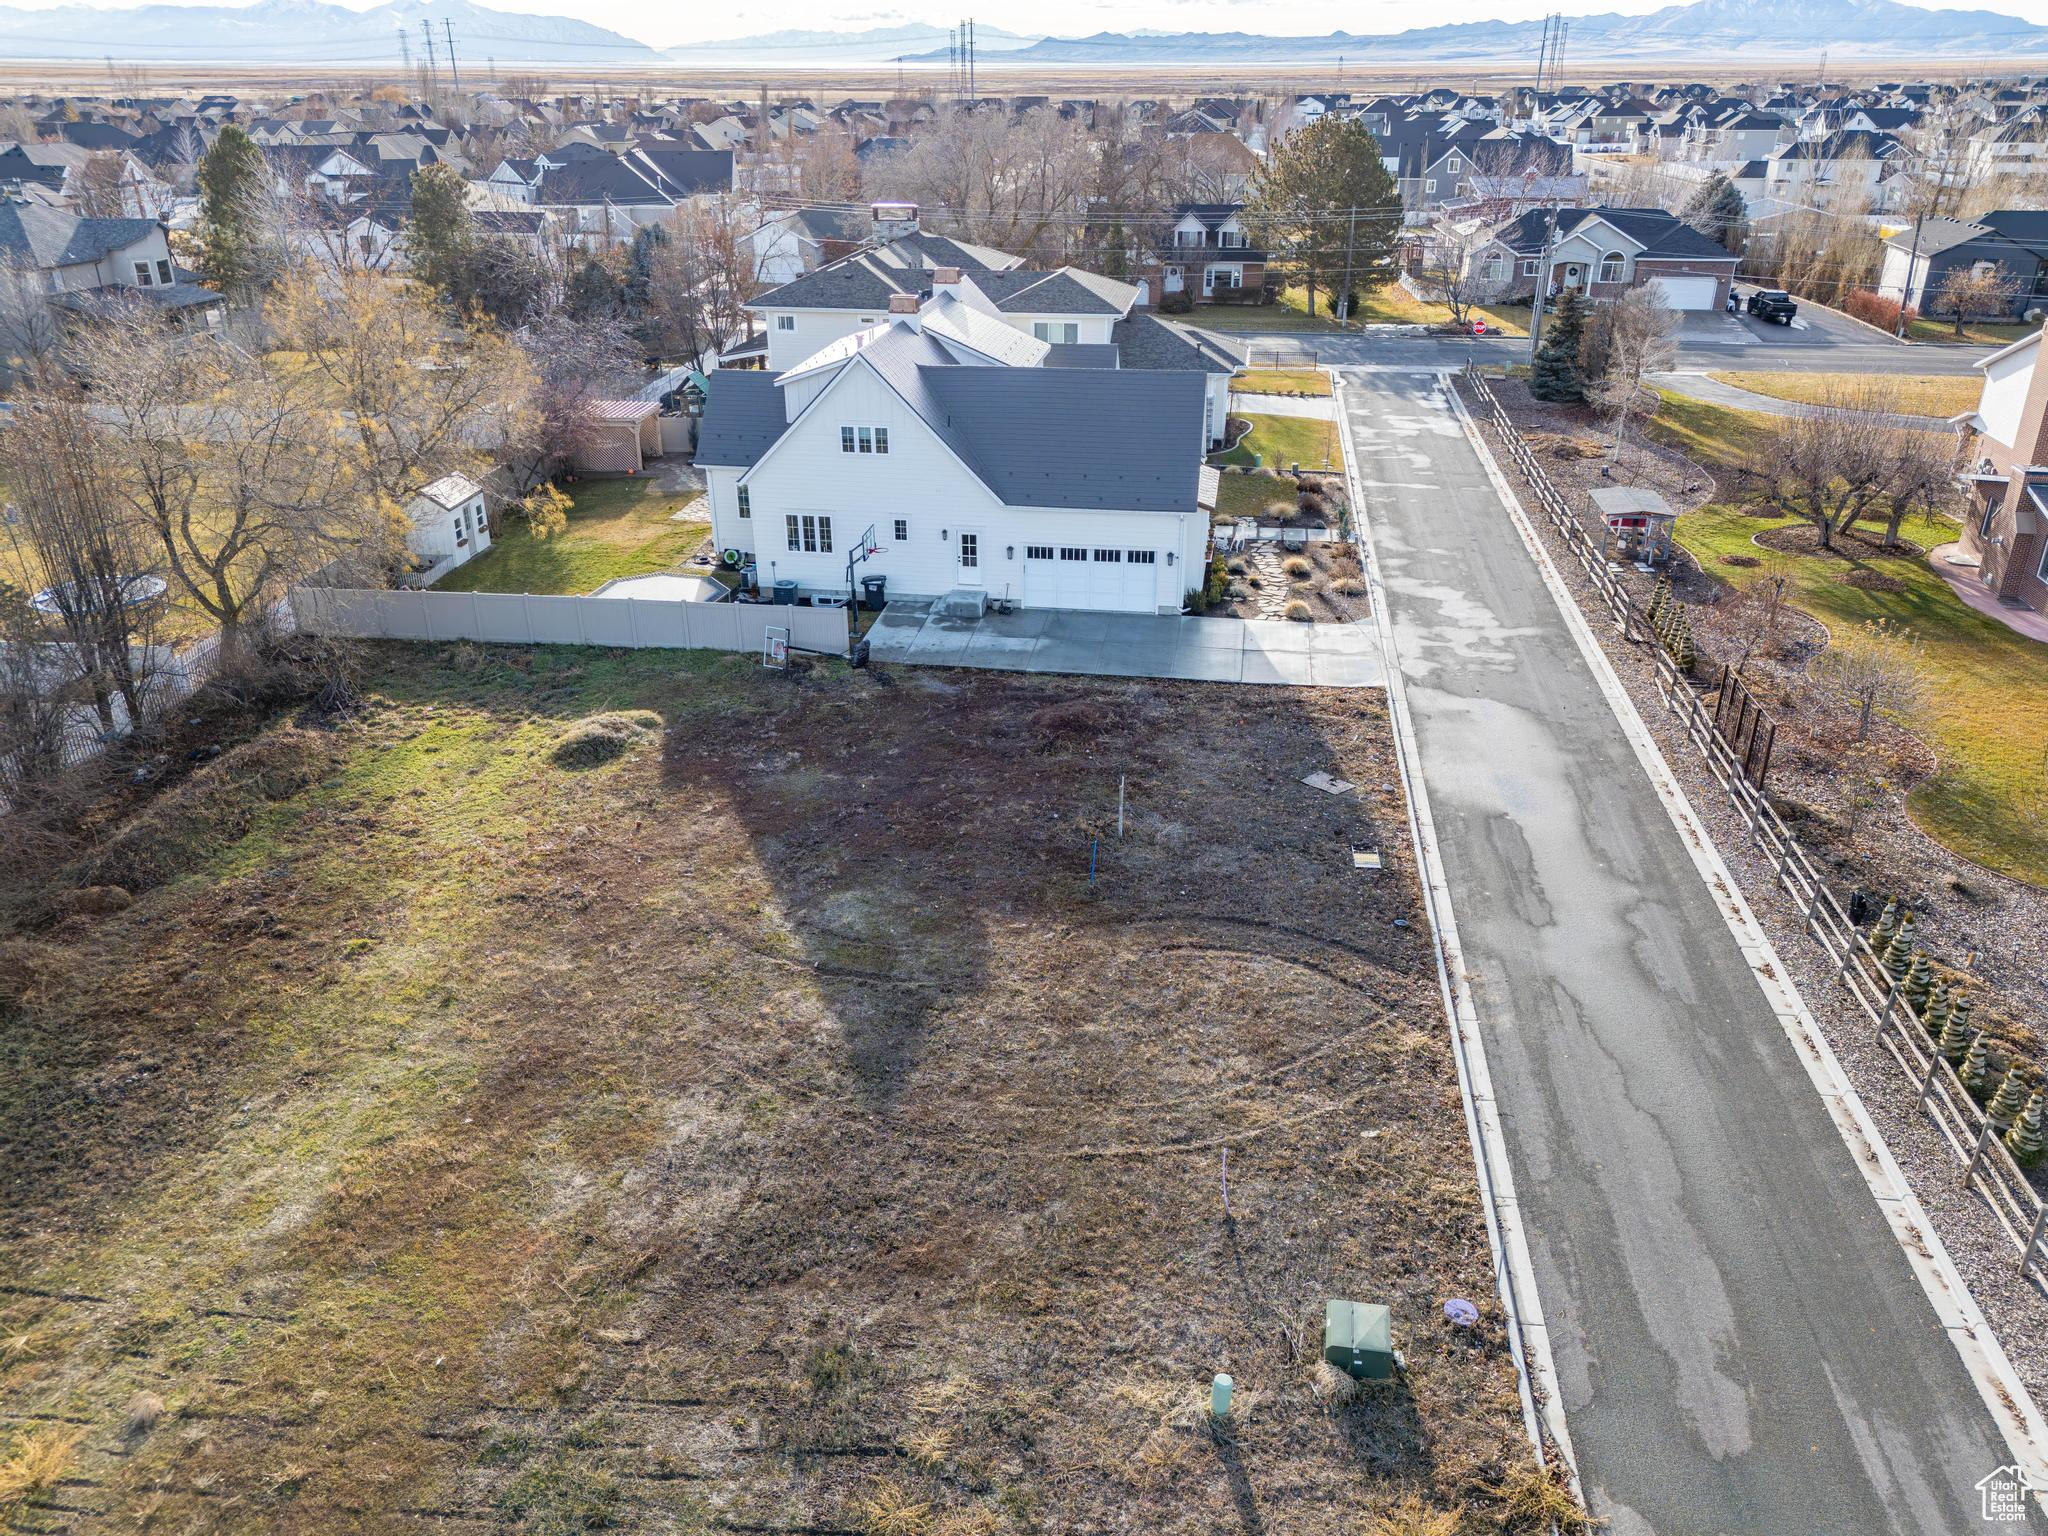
[666, 25]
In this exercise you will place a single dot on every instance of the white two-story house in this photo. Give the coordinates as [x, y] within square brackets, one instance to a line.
[84, 262]
[978, 466]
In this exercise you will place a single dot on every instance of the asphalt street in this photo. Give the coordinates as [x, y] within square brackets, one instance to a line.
[1740, 1345]
[1818, 341]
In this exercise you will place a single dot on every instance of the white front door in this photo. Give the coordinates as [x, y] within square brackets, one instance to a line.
[967, 558]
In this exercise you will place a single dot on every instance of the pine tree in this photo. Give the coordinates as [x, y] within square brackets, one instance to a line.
[1918, 983]
[2011, 1097]
[1954, 1043]
[1898, 953]
[1887, 925]
[1959, 1017]
[1935, 1014]
[440, 230]
[1976, 1073]
[2028, 1137]
[1717, 211]
[230, 180]
[1679, 641]
[1555, 375]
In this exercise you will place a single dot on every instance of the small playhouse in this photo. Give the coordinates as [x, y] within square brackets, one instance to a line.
[1637, 524]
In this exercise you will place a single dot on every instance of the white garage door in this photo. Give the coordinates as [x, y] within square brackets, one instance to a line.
[1119, 580]
[1688, 292]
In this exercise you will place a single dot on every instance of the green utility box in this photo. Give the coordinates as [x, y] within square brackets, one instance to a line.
[1358, 1339]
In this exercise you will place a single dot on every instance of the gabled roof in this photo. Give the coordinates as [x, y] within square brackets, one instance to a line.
[1067, 291]
[1654, 232]
[53, 237]
[1146, 342]
[599, 180]
[743, 417]
[684, 172]
[952, 321]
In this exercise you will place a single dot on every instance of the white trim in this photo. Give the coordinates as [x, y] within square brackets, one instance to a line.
[1955, 1308]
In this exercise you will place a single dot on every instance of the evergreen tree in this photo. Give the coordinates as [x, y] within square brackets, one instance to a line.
[1555, 375]
[230, 213]
[2011, 1097]
[1717, 211]
[1935, 1014]
[1887, 925]
[2028, 1136]
[1326, 208]
[1976, 1073]
[440, 231]
[1918, 983]
[1954, 1043]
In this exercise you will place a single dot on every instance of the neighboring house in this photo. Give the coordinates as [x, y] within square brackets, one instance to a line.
[1604, 252]
[2014, 238]
[2006, 531]
[1844, 161]
[85, 262]
[450, 525]
[343, 239]
[1207, 251]
[800, 240]
[1057, 487]
[2015, 147]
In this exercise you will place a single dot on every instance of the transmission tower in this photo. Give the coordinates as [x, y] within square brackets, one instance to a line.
[433, 70]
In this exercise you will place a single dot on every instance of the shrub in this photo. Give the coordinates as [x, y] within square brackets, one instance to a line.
[1349, 586]
[2025, 1140]
[1219, 577]
[1279, 509]
[1745, 561]
[1875, 309]
[1181, 303]
[1297, 567]
[1300, 612]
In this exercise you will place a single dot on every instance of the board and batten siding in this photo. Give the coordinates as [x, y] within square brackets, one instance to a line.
[920, 482]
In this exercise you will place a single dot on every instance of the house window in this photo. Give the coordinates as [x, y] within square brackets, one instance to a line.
[1037, 551]
[1109, 556]
[863, 439]
[785, 322]
[807, 534]
[142, 279]
[902, 530]
[1069, 552]
[163, 273]
[846, 439]
[461, 531]
[1142, 556]
[1496, 269]
[881, 439]
[2041, 570]
[1990, 517]
[1610, 267]
[867, 439]
[1064, 332]
[1528, 269]
[746, 501]
[1429, 186]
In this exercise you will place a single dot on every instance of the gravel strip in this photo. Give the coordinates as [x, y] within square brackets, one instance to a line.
[1986, 1258]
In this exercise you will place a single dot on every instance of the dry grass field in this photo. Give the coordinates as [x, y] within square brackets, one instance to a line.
[627, 1091]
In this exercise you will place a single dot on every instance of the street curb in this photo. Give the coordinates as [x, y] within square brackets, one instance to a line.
[1514, 1274]
[2012, 1408]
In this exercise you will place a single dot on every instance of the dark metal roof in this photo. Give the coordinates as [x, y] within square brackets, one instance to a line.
[743, 416]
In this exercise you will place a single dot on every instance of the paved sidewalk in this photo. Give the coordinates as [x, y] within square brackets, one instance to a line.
[1740, 1345]
[1315, 407]
[1964, 581]
[1214, 650]
[1699, 386]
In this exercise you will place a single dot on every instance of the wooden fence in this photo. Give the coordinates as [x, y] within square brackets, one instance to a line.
[1988, 1168]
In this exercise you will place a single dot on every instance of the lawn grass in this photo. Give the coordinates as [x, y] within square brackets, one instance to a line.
[1716, 436]
[1233, 319]
[616, 528]
[1244, 496]
[1285, 440]
[1976, 333]
[453, 1136]
[1392, 304]
[1281, 381]
[1989, 716]
[1941, 395]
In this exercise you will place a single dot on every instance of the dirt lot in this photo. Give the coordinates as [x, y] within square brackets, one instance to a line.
[626, 1091]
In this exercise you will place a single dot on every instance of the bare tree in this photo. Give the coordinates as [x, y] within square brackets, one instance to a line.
[1449, 274]
[78, 545]
[1014, 183]
[1640, 336]
[1983, 291]
[698, 281]
[1877, 669]
[40, 687]
[30, 327]
[100, 189]
[572, 364]
[1919, 471]
[827, 171]
[1824, 462]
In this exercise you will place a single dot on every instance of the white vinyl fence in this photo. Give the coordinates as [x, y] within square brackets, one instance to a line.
[511, 618]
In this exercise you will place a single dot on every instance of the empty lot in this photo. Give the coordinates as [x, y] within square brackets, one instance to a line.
[767, 1127]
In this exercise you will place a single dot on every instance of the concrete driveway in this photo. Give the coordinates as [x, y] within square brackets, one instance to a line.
[1214, 650]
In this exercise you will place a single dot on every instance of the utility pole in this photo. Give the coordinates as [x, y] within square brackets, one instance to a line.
[1912, 261]
[448, 31]
[433, 71]
[970, 59]
[1542, 284]
[1350, 244]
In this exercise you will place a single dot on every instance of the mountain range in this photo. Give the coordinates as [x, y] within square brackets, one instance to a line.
[309, 32]
[1780, 36]
[1767, 30]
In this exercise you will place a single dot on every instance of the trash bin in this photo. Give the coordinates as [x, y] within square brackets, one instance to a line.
[785, 593]
[874, 592]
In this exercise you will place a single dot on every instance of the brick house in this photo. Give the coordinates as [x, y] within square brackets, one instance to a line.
[1604, 252]
[2006, 530]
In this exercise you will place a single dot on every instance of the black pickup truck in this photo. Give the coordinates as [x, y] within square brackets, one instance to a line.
[1773, 304]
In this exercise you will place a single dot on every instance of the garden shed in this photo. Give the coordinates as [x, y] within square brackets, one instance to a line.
[1637, 521]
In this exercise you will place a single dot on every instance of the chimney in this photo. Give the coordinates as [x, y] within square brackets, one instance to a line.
[893, 221]
[945, 280]
[902, 306]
